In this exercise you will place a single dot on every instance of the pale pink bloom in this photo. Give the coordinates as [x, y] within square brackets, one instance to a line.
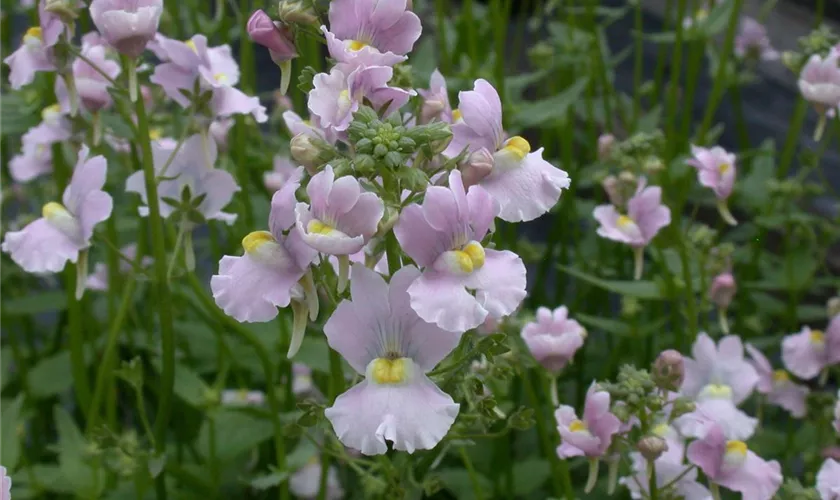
[777, 385]
[723, 290]
[36, 155]
[828, 480]
[732, 465]
[444, 236]
[219, 131]
[305, 483]
[91, 85]
[554, 338]
[722, 364]
[819, 81]
[98, 280]
[250, 288]
[283, 168]
[382, 338]
[298, 125]
[45, 245]
[191, 168]
[338, 94]
[524, 185]
[5, 485]
[127, 25]
[715, 169]
[215, 69]
[752, 39]
[340, 219]
[277, 38]
[35, 52]
[242, 397]
[591, 435]
[714, 407]
[669, 472]
[54, 127]
[302, 380]
[435, 100]
[807, 353]
[646, 215]
[371, 32]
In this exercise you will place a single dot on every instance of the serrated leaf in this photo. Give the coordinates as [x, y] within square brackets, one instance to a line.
[11, 419]
[639, 289]
[17, 115]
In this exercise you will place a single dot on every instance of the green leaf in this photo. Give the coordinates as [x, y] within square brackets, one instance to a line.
[620, 328]
[5, 361]
[71, 456]
[752, 189]
[529, 475]
[188, 385]
[717, 19]
[51, 376]
[236, 433]
[639, 289]
[267, 481]
[35, 303]
[17, 114]
[459, 483]
[551, 110]
[11, 419]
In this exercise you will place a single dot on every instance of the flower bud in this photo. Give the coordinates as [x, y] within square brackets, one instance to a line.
[612, 187]
[67, 10]
[653, 165]
[605, 146]
[295, 12]
[278, 39]
[311, 152]
[833, 307]
[723, 290]
[669, 370]
[478, 165]
[652, 447]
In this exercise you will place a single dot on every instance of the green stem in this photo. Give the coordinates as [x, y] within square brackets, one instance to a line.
[676, 64]
[638, 62]
[561, 482]
[792, 139]
[476, 485]
[470, 26]
[652, 486]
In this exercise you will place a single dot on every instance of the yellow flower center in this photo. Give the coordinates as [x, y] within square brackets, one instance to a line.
[54, 210]
[242, 395]
[220, 78]
[578, 426]
[624, 221]
[817, 337]
[724, 167]
[456, 115]
[661, 430]
[255, 240]
[736, 447]
[356, 45]
[155, 133]
[50, 112]
[390, 371]
[470, 257]
[317, 227]
[518, 146]
[191, 45]
[781, 376]
[33, 32]
[717, 391]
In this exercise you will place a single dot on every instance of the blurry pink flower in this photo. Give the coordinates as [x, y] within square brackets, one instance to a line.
[98, 280]
[371, 32]
[45, 245]
[91, 85]
[192, 168]
[591, 436]
[554, 338]
[283, 168]
[752, 40]
[715, 169]
[669, 472]
[646, 215]
[5, 485]
[219, 131]
[298, 125]
[524, 185]
[435, 100]
[606, 142]
[36, 155]
[807, 353]
[242, 397]
[340, 218]
[443, 236]
[828, 480]
[723, 290]
[302, 380]
[278, 39]
[250, 288]
[714, 407]
[382, 338]
[305, 483]
[721, 365]
[31, 57]
[732, 465]
[127, 25]
[819, 81]
[777, 385]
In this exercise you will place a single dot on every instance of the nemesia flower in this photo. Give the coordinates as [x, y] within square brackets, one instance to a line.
[35, 158]
[669, 472]
[732, 465]
[443, 236]
[524, 185]
[371, 32]
[219, 131]
[279, 41]
[337, 95]
[35, 52]
[591, 435]
[646, 215]
[298, 126]
[127, 25]
[283, 168]
[54, 127]
[306, 481]
[554, 338]
[340, 218]
[716, 170]
[98, 280]
[435, 100]
[382, 338]
[752, 40]
[828, 480]
[5, 485]
[819, 81]
[721, 365]
[777, 385]
[214, 68]
[192, 168]
[242, 397]
[715, 407]
[807, 353]
[723, 290]
[91, 85]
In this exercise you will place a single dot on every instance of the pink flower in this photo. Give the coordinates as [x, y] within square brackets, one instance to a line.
[250, 288]
[828, 480]
[127, 25]
[435, 100]
[646, 215]
[190, 168]
[91, 85]
[242, 397]
[5, 485]
[669, 472]
[371, 32]
[591, 436]
[277, 38]
[752, 40]
[819, 81]
[554, 338]
[723, 290]
[99, 279]
[337, 95]
[715, 407]
[45, 245]
[732, 465]
[715, 169]
[807, 353]
[298, 126]
[283, 168]
[35, 53]
[777, 385]
[305, 483]
[219, 131]
[36, 157]
[524, 185]
[721, 365]
[214, 68]
[443, 236]
[340, 218]
[382, 338]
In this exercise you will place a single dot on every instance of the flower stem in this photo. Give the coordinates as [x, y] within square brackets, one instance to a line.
[476, 486]
[561, 482]
[133, 88]
[652, 486]
[592, 478]
[638, 262]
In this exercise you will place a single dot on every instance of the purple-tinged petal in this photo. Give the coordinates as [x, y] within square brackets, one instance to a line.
[40, 247]
[500, 283]
[232, 101]
[442, 299]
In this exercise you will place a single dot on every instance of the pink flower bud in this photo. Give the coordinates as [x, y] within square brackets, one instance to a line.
[605, 146]
[652, 447]
[723, 290]
[669, 370]
[276, 38]
[611, 186]
[833, 307]
[479, 164]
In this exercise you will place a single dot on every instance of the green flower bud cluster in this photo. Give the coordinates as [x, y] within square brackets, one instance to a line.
[793, 490]
[640, 152]
[379, 142]
[820, 41]
[635, 389]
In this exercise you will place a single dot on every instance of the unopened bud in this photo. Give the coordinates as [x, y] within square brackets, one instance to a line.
[277, 38]
[311, 152]
[613, 190]
[67, 10]
[605, 146]
[669, 370]
[440, 135]
[681, 406]
[722, 290]
[295, 12]
[653, 165]
[833, 306]
[478, 165]
[652, 447]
